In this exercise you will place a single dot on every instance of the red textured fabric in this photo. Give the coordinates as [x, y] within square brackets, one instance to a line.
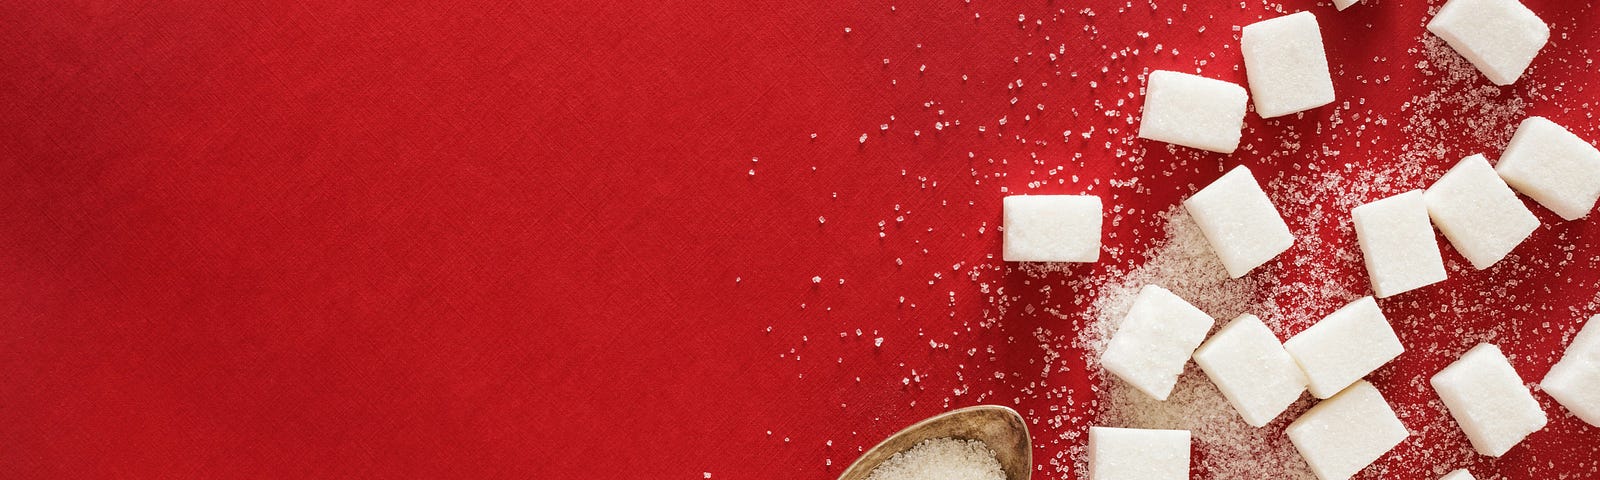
[523, 239]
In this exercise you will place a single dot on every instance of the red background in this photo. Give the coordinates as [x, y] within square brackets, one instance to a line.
[522, 239]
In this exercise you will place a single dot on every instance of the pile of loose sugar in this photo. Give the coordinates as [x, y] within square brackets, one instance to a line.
[1227, 447]
[941, 459]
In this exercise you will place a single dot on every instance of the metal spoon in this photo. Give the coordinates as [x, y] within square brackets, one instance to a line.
[998, 427]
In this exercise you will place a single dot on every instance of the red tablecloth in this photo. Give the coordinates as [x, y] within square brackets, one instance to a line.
[578, 239]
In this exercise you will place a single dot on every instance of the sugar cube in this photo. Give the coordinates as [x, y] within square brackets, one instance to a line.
[1553, 167]
[1248, 364]
[1478, 213]
[1343, 4]
[1138, 454]
[1344, 434]
[1285, 64]
[1461, 474]
[1193, 111]
[1488, 400]
[1051, 228]
[1575, 380]
[1344, 346]
[1155, 340]
[1500, 37]
[1397, 244]
[1239, 221]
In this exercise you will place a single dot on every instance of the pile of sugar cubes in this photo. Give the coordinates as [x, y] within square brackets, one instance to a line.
[1474, 205]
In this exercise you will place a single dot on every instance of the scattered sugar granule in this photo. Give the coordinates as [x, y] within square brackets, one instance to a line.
[941, 459]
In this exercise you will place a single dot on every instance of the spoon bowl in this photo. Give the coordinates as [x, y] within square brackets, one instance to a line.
[1000, 428]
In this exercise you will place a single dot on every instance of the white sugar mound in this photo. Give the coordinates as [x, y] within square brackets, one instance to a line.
[1227, 447]
[941, 459]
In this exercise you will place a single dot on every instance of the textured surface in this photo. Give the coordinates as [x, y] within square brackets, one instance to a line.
[1488, 399]
[521, 240]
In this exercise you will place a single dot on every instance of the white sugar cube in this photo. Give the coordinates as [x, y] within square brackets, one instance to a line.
[1286, 65]
[1553, 167]
[1575, 380]
[1239, 222]
[1250, 367]
[1138, 454]
[1155, 340]
[1343, 4]
[1193, 111]
[1478, 213]
[1461, 474]
[1052, 228]
[1397, 244]
[1488, 400]
[1500, 37]
[1344, 346]
[1344, 434]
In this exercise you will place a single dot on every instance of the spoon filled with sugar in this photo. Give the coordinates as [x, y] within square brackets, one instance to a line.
[989, 441]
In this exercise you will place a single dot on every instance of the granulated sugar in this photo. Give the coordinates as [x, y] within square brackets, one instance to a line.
[1226, 446]
[941, 459]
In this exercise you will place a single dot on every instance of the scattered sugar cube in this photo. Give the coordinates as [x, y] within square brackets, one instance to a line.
[1344, 434]
[1397, 244]
[1239, 221]
[1138, 454]
[1500, 37]
[1051, 228]
[1478, 213]
[1250, 367]
[1575, 380]
[1488, 400]
[1286, 65]
[1193, 111]
[1343, 4]
[1344, 346]
[1553, 167]
[1461, 474]
[1155, 340]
